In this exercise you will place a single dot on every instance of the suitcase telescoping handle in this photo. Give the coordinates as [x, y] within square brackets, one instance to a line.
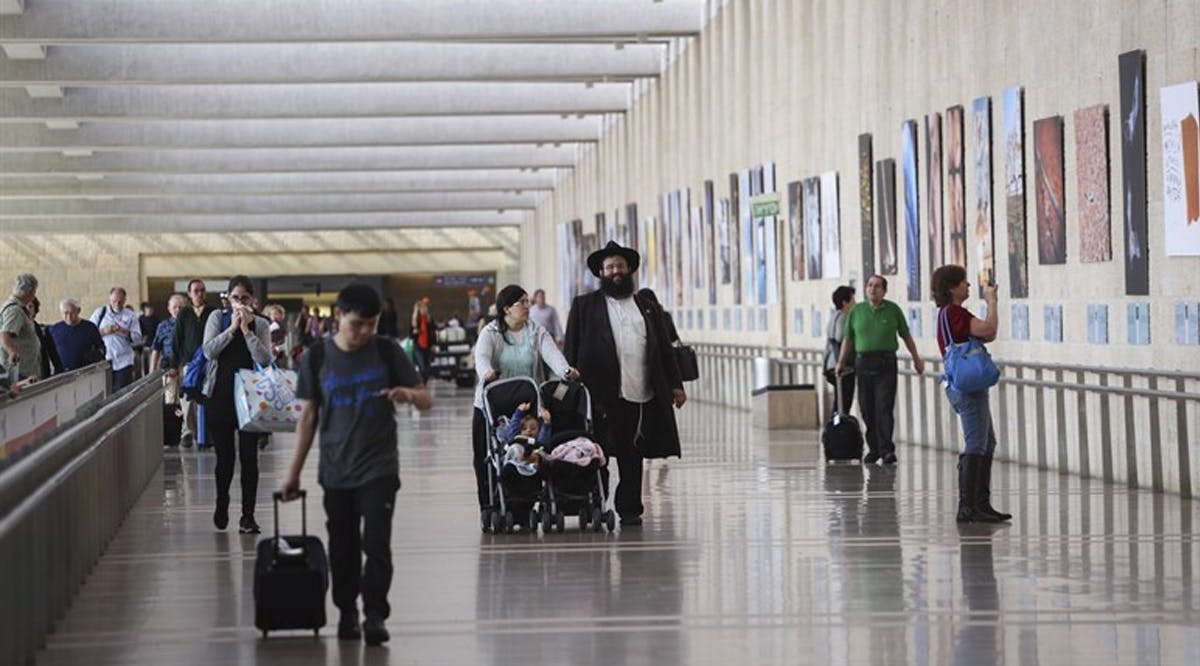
[278, 496]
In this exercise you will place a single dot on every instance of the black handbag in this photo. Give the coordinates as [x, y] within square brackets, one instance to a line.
[689, 368]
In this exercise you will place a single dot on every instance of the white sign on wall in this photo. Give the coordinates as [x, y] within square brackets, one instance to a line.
[1181, 168]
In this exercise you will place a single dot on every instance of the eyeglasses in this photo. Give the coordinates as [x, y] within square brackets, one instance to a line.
[240, 298]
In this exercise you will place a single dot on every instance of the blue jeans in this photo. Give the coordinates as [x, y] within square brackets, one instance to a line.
[979, 438]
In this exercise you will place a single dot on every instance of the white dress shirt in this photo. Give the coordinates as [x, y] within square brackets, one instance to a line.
[119, 348]
[629, 333]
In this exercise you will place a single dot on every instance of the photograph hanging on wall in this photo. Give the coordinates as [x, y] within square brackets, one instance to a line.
[831, 239]
[1014, 191]
[723, 240]
[1181, 169]
[735, 235]
[885, 191]
[933, 189]
[635, 230]
[746, 180]
[811, 216]
[601, 229]
[587, 246]
[1091, 171]
[710, 247]
[912, 208]
[699, 227]
[866, 204]
[661, 275]
[1132, 66]
[679, 221]
[1048, 190]
[796, 229]
[956, 186]
[985, 222]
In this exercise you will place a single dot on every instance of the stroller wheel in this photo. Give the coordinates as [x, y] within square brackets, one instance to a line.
[583, 519]
[561, 521]
[532, 520]
[509, 523]
[497, 522]
[597, 519]
[610, 519]
[485, 520]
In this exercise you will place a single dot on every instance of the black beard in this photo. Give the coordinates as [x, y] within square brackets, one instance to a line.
[611, 288]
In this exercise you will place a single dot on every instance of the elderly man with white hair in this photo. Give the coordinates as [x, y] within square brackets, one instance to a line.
[119, 327]
[78, 340]
[20, 348]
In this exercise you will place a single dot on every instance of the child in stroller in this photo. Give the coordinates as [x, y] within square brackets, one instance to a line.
[574, 463]
[514, 480]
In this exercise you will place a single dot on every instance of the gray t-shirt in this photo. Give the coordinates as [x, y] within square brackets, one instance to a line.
[15, 321]
[357, 426]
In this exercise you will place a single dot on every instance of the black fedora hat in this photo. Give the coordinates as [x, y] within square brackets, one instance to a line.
[596, 259]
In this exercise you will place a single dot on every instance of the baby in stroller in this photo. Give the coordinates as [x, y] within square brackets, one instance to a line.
[574, 463]
[527, 435]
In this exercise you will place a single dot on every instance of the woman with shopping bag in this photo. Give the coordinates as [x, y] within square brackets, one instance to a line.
[234, 339]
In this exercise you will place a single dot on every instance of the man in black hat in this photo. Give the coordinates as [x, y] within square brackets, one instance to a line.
[620, 345]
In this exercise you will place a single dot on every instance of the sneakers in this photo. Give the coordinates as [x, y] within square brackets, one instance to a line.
[348, 628]
[221, 514]
[871, 458]
[374, 632]
[889, 459]
[247, 525]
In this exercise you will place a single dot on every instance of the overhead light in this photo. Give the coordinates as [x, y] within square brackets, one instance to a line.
[77, 152]
[89, 176]
[62, 124]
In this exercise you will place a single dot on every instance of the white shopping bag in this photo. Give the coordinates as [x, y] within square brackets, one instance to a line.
[265, 399]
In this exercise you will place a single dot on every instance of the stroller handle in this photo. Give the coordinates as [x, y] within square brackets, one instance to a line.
[500, 384]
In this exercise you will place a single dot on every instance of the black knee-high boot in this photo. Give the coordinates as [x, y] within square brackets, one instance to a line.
[969, 491]
[985, 491]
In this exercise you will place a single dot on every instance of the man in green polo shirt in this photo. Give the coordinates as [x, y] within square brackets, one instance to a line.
[871, 331]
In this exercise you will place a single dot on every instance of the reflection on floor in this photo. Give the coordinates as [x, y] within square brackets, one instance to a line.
[752, 552]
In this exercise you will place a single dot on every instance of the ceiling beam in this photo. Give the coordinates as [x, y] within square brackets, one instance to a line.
[242, 64]
[294, 160]
[443, 130]
[277, 21]
[271, 222]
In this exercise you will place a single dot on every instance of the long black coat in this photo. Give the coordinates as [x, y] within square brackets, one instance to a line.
[591, 349]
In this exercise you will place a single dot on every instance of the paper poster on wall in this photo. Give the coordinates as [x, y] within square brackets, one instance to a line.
[1048, 185]
[866, 203]
[698, 241]
[1181, 168]
[985, 223]
[1014, 191]
[723, 240]
[811, 206]
[1138, 323]
[796, 229]
[956, 186]
[831, 240]
[634, 228]
[710, 248]
[682, 231]
[1053, 323]
[1132, 65]
[885, 191]
[745, 182]
[914, 321]
[1020, 321]
[601, 229]
[1097, 323]
[933, 189]
[912, 207]
[768, 171]
[1091, 170]
[735, 236]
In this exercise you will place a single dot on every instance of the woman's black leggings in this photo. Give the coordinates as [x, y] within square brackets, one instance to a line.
[479, 446]
[221, 433]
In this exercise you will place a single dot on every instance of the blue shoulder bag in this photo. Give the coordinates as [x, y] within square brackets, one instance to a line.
[969, 366]
[192, 385]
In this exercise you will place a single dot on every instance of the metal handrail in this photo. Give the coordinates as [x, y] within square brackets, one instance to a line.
[48, 384]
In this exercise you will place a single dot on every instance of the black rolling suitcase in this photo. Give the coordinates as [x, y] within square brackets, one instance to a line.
[842, 437]
[291, 575]
[172, 426]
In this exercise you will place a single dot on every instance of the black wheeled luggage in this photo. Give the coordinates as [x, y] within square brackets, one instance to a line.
[842, 436]
[172, 426]
[291, 576]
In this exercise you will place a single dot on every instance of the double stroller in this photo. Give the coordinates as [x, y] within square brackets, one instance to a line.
[558, 487]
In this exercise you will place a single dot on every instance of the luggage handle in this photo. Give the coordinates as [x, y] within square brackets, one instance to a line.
[277, 496]
[837, 398]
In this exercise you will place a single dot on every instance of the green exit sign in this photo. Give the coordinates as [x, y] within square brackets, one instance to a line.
[765, 209]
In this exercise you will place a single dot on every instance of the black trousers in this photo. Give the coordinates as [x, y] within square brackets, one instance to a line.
[479, 446]
[621, 432]
[877, 399]
[359, 521]
[221, 431]
[122, 378]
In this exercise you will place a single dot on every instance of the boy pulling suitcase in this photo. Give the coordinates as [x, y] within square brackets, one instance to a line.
[348, 386]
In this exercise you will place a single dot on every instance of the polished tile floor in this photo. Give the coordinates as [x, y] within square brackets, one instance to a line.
[752, 553]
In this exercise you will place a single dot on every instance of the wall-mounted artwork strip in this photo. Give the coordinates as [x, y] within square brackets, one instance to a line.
[933, 189]
[885, 189]
[956, 186]
[1181, 169]
[1014, 191]
[811, 207]
[1048, 187]
[723, 240]
[710, 250]
[912, 209]
[831, 240]
[1132, 66]
[866, 203]
[735, 235]
[985, 220]
[1091, 170]
[796, 229]
[634, 229]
